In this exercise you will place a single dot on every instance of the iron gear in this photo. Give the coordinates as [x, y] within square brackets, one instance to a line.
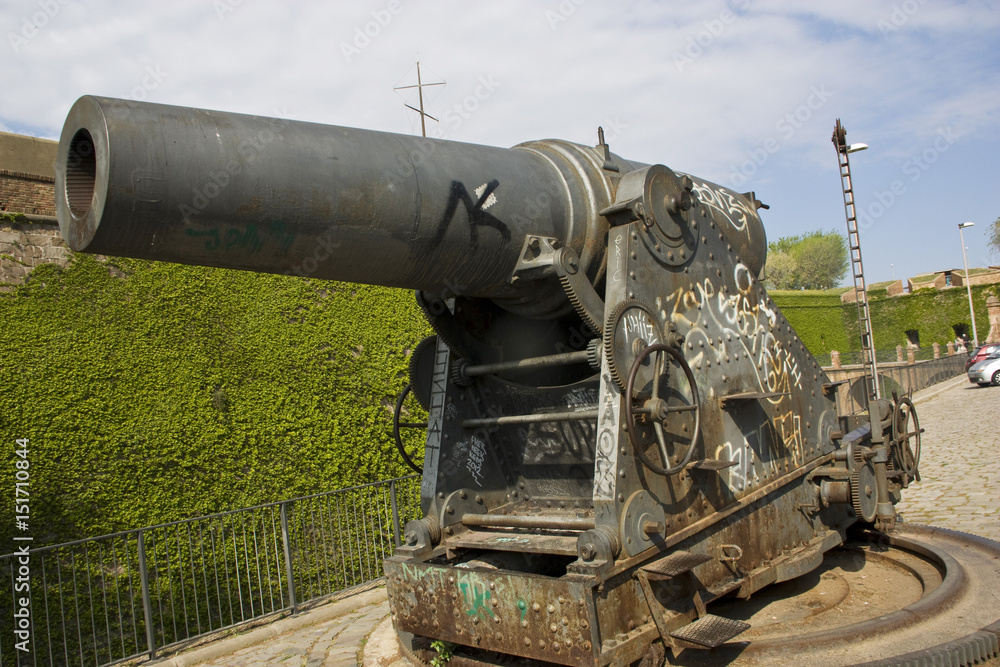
[629, 330]
[864, 494]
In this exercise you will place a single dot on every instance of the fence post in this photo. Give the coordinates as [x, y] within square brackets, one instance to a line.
[395, 513]
[147, 606]
[288, 558]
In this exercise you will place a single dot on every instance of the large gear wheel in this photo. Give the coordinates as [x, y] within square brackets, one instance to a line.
[904, 452]
[629, 330]
[422, 370]
[864, 489]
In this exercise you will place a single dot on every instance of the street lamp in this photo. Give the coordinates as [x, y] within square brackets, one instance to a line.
[968, 287]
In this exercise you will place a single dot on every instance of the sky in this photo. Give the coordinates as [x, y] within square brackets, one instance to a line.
[744, 93]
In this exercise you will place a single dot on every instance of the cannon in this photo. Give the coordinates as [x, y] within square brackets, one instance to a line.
[622, 427]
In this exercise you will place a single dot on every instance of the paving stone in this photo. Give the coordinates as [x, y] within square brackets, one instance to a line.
[960, 486]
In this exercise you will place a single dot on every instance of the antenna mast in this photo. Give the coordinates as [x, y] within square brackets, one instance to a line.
[420, 94]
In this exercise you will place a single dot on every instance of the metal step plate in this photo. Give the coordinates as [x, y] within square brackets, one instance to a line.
[711, 464]
[710, 631]
[674, 564]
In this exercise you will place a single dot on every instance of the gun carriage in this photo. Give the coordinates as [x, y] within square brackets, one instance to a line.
[622, 425]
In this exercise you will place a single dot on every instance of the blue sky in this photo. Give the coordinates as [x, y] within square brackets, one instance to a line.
[741, 92]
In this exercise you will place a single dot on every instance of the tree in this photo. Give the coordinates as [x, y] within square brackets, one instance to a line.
[815, 260]
[821, 259]
[994, 241]
[780, 272]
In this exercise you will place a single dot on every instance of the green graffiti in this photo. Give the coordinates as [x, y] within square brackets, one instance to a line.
[247, 238]
[477, 599]
[523, 606]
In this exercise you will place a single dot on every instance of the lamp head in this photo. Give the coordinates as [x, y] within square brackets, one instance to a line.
[854, 148]
[962, 225]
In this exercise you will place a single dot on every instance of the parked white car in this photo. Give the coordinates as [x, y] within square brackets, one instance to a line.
[987, 371]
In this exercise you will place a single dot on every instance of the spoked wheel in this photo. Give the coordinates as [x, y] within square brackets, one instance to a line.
[397, 425]
[657, 409]
[905, 448]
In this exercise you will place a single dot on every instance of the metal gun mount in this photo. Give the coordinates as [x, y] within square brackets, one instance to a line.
[622, 425]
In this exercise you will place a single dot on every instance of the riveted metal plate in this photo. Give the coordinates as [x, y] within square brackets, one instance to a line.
[536, 617]
[710, 631]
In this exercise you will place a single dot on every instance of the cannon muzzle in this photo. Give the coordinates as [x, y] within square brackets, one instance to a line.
[273, 195]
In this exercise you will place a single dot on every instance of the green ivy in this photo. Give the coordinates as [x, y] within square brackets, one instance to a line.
[817, 317]
[152, 392]
[824, 323]
[932, 313]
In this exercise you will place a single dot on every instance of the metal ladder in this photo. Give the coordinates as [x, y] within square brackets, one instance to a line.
[854, 244]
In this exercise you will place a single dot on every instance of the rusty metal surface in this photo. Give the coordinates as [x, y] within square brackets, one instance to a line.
[676, 563]
[710, 631]
[522, 615]
[556, 545]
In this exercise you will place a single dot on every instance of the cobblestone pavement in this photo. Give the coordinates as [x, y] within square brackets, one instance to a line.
[959, 484]
[959, 489]
[332, 643]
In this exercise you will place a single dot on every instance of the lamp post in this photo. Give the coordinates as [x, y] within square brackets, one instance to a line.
[968, 287]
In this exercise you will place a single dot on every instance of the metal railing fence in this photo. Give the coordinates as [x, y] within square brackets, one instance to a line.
[882, 356]
[901, 378]
[105, 600]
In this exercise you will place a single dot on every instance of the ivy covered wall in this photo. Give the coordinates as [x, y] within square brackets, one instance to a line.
[824, 324]
[818, 319]
[152, 392]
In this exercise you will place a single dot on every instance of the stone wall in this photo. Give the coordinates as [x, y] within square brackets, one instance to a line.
[27, 186]
[992, 275]
[23, 246]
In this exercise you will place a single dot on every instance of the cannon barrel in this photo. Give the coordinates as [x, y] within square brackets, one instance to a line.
[271, 195]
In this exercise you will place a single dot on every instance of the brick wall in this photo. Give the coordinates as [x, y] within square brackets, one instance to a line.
[27, 193]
